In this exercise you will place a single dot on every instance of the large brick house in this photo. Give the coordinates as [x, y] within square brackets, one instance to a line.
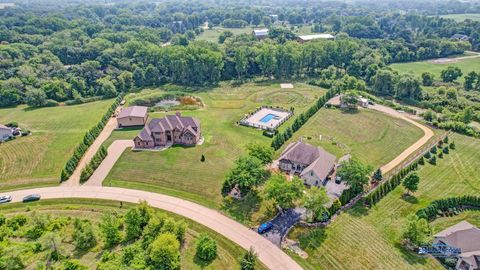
[312, 164]
[169, 130]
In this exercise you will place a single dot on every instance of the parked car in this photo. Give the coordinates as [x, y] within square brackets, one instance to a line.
[31, 198]
[5, 199]
[265, 227]
[338, 180]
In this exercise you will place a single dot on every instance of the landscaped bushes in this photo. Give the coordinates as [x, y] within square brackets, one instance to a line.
[88, 139]
[152, 99]
[449, 205]
[93, 165]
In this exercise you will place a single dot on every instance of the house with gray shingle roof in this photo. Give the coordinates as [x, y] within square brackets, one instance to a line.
[5, 133]
[169, 130]
[313, 164]
[466, 237]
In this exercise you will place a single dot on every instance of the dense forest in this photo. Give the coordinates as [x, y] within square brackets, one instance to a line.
[74, 52]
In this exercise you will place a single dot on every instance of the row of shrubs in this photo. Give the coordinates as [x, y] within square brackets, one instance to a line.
[442, 206]
[93, 164]
[384, 188]
[88, 139]
[458, 127]
[301, 119]
[82, 100]
[151, 99]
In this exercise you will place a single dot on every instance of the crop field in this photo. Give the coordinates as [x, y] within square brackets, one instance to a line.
[417, 68]
[178, 171]
[38, 158]
[228, 252]
[370, 239]
[373, 137]
[462, 17]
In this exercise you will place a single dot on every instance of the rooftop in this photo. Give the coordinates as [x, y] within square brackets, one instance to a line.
[316, 36]
[133, 111]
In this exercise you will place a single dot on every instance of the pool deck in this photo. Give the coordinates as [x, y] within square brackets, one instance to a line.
[255, 120]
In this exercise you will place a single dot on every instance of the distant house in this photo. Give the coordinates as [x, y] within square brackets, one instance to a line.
[169, 130]
[5, 133]
[313, 164]
[466, 237]
[260, 33]
[460, 37]
[305, 38]
[339, 101]
[132, 116]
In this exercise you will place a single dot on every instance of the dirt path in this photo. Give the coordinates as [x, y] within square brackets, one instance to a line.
[455, 60]
[428, 133]
[269, 254]
[74, 179]
[115, 150]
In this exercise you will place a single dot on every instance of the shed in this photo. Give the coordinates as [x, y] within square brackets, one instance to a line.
[132, 116]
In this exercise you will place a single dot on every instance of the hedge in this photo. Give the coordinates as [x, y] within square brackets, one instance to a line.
[88, 139]
[93, 165]
[439, 207]
[301, 119]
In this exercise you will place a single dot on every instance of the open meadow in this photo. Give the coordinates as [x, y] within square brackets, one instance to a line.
[370, 239]
[417, 68]
[462, 17]
[65, 210]
[178, 171]
[373, 137]
[37, 159]
[213, 34]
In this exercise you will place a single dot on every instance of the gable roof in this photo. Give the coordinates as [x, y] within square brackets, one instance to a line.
[322, 166]
[169, 123]
[462, 235]
[300, 152]
[133, 111]
[4, 127]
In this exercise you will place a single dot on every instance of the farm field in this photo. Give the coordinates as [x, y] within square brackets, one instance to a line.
[417, 68]
[178, 171]
[462, 17]
[228, 252]
[361, 239]
[37, 159]
[373, 137]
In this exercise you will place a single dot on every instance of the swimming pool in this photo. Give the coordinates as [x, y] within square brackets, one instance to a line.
[268, 117]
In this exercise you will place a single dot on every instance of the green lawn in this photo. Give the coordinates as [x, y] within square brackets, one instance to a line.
[361, 239]
[373, 137]
[38, 159]
[213, 34]
[462, 17]
[417, 68]
[228, 252]
[178, 171]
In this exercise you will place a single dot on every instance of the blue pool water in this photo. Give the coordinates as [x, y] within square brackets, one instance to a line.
[267, 118]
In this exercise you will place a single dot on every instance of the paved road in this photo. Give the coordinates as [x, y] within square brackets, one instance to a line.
[74, 179]
[428, 133]
[269, 254]
[115, 150]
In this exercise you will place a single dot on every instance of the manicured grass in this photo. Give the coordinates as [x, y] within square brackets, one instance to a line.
[178, 171]
[369, 239]
[213, 34]
[373, 137]
[462, 17]
[417, 68]
[228, 252]
[38, 159]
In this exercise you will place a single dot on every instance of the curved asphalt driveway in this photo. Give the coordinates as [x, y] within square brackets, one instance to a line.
[269, 254]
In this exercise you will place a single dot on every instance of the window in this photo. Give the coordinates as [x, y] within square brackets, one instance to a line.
[311, 173]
